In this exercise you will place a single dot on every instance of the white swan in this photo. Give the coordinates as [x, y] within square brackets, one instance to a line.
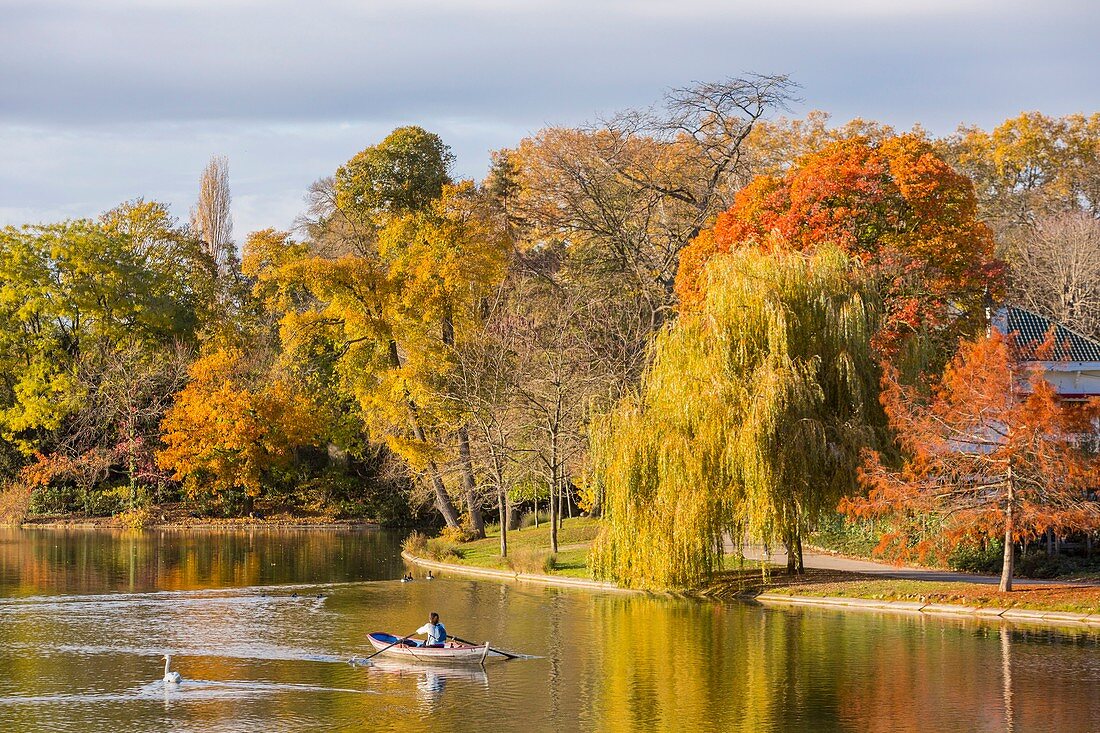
[170, 677]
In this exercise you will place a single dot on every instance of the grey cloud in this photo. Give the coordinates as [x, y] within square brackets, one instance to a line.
[106, 100]
[133, 61]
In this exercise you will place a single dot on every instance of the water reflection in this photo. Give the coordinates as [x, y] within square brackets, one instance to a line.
[35, 561]
[431, 680]
[258, 650]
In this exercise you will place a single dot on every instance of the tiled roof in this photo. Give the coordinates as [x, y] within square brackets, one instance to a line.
[1031, 329]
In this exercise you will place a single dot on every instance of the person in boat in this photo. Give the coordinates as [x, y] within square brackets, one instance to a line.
[437, 634]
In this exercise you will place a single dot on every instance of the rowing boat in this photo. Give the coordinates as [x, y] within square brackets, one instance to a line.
[411, 650]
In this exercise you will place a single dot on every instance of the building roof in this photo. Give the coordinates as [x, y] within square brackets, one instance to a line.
[1031, 330]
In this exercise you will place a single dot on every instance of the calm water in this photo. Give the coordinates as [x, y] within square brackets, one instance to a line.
[85, 616]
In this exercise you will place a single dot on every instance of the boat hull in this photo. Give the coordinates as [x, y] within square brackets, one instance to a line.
[452, 654]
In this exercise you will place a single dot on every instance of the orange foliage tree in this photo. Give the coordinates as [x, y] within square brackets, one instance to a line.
[222, 435]
[991, 453]
[895, 205]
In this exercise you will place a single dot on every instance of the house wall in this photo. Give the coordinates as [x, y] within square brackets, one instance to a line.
[1074, 379]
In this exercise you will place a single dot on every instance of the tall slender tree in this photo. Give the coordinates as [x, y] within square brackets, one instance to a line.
[211, 219]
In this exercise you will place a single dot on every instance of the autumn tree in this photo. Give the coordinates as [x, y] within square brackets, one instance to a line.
[445, 260]
[395, 280]
[893, 205]
[125, 393]
[992, 453]
[1029, 167]
[629, 192]
[563, 382]
[775, 146]
[483, 384]
[229, 428]
[748, 422]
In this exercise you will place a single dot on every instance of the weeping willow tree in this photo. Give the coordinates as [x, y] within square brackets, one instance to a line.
[748, 422]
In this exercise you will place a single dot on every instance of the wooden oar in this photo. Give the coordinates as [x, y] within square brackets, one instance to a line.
[399, 640]
[497, 651]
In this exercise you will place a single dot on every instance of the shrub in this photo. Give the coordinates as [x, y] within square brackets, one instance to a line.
[415, 543]
[1041, 565]
[136, 518]
[458, 535]
[442, 550]
[530, 560]
[528, 519]
[973, 558]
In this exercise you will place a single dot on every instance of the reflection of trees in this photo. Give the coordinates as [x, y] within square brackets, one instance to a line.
[938, 674]
[81, 561]
[677, 665]
[609, 662]
[666, 665]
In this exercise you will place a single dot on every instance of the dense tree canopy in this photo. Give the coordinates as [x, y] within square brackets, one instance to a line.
[402, 174]
[1030, 166]
[668, 315]
[223, 435]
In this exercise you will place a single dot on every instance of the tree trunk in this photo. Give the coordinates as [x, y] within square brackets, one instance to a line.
[469, 486]
[553, 511]
[794, 554]
[553, 492]
[503, 511]
[1006, 569]
[555, 474]
[442, 498]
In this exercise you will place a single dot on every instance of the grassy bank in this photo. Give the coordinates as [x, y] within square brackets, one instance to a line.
[528, 549]
[838, 584]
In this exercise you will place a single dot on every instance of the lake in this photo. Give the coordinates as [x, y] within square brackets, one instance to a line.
[261, 625]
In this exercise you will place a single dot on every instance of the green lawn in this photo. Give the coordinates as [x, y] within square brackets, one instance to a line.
[528, 549]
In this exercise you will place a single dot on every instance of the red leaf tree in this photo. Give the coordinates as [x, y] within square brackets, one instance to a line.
[895, 205]
[991, 453]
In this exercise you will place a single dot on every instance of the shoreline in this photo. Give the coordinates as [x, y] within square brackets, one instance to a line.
[513, 576]
[984, 613]
[1086, 621]
[203, 525]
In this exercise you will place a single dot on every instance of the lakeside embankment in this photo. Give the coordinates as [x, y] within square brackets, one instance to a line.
[174, 516]
[531, 562]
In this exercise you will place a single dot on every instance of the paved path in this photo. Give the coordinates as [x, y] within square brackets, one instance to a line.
[824, 561]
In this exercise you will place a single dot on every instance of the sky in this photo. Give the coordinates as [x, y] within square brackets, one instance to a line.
[107, 100]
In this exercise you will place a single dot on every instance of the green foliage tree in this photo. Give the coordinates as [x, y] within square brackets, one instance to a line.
[748, 422]
[75, 291]
[402, 174]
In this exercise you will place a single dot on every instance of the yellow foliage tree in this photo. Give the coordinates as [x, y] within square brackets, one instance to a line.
[389, 313]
